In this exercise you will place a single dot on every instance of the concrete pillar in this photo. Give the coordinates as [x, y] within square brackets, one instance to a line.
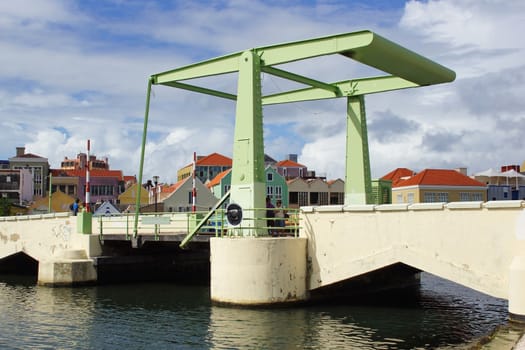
[258, 271]
[72, 268]
[517, 289]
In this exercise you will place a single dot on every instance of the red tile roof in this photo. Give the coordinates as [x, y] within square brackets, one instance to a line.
[290, 181]
[289, 164]
[397, 175]
[215, 159]
[439, 177]
[95, 173]
[174, 187]
[130, 178]
[331, 182]
[217, 179]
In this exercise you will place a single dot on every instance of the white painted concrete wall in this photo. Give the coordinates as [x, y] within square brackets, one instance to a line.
[44, 237]
[471, 243]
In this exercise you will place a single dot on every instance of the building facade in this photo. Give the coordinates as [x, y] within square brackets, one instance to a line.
[37, 166]
[276, 186]
[206, 168]
[315, 192]
[16, 185]
[105, 185]
[81, 162]
[290, 169]
[179, 196]
[438, 185]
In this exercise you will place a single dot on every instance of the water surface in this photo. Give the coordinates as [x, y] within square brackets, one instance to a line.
[168, 316]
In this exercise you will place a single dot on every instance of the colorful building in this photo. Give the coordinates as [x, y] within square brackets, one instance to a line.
[105, 185]
[38, 166]
[438, 185]
[290, 169]
[314, 192]
[179, 196]
[207, 167]
[276, 186]
[129, 196]
[16, 185]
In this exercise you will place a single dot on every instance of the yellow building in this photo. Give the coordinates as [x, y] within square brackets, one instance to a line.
[60, 202]
[207, 167]
[129, 196]
[438, 185]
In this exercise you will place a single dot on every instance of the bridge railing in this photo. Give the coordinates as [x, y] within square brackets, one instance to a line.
[167, 223]
[288, 225]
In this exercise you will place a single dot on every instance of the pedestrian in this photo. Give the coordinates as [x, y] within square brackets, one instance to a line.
[270, 215]
[280, 214]
[76, 206]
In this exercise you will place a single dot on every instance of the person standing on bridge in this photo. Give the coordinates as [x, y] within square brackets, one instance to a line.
[270, 215]
[75, 206]
[280, 214]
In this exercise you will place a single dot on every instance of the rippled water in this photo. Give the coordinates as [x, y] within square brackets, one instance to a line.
[167, 316]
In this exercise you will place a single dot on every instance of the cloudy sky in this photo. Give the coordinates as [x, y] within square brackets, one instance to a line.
[77, 70]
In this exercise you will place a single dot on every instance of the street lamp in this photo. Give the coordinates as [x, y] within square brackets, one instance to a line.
[155, 182]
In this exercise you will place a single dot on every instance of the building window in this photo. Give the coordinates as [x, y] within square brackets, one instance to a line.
[190, 197]
[337, 197]
[314, 198]
[442, 196]
[464, 196]
[226, 188]
[323, 198]
[399, 198]
[435, 197]
[303, 198]
[269, 191]
[293, 198]
[477, 196]
[410, 197]
[278, 192]
[269, 177]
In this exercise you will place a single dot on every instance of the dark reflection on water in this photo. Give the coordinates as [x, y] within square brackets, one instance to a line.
[166, 316]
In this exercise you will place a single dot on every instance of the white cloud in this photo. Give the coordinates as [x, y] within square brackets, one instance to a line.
[72, 73]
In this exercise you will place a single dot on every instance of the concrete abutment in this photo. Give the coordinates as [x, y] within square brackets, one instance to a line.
[517, 290]
[252, 271]
[72, 267]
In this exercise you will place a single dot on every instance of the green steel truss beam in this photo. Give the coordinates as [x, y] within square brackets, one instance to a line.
[353, 87]
[402, 69]
[301, 79]
[318, 91]
[202, 90]
[365, 47]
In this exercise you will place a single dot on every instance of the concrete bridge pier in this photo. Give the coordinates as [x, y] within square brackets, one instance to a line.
[517, 289]
[73, 267]
[250, 271]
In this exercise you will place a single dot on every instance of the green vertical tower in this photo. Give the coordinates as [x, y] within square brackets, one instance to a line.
[358, 181]
[248, 183]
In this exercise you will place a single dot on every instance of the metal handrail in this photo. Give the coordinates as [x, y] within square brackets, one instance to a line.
[192, 223]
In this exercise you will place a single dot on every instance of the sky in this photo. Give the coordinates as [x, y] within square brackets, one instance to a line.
[78, 70]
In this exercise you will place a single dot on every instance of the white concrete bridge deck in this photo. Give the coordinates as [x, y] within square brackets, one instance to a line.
[479, 245]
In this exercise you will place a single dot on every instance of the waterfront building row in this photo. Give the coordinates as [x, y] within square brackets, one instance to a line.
[287, 181]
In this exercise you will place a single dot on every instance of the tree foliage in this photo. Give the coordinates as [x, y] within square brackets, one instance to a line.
[5, 207]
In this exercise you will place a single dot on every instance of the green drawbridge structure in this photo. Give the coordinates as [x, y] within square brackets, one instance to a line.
[400, 67]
